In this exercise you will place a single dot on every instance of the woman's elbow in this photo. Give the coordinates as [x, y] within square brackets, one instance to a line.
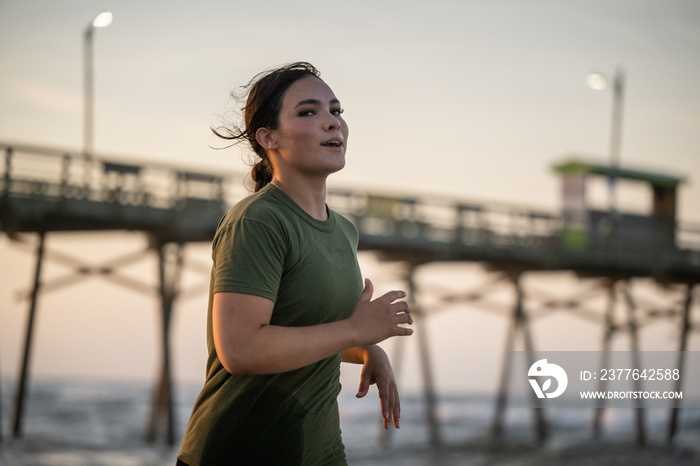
[234, 356]
[235, 363]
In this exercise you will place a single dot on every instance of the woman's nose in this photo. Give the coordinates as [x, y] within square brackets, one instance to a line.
[332, 122]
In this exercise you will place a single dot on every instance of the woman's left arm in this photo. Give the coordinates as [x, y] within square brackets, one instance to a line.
[376, 369]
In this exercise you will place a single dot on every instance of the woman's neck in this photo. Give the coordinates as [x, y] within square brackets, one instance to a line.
[310, 196]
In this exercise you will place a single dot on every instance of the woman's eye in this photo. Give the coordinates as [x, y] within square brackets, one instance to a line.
[306, 113]
[337, 111]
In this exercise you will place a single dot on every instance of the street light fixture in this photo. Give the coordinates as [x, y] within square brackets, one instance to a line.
[103, 19]
[598, 81]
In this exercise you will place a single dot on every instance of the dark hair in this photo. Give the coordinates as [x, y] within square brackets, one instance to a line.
[262, 108]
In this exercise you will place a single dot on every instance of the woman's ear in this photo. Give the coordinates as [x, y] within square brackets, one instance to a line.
[265, 138]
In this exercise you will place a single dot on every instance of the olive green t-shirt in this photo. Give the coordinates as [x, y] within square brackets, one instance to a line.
[266, 245]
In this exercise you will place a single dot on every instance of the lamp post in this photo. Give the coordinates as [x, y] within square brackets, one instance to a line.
[103, 19]
[598, 81]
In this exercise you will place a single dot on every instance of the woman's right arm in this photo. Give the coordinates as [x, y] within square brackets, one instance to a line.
[246, 343]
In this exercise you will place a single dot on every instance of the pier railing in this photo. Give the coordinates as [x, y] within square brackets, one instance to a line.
[37, 172]
[48, 174]
[152, 194]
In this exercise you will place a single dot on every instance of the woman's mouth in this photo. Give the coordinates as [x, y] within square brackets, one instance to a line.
[332, 143]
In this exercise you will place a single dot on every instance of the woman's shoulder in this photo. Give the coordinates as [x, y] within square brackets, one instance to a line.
[255, 216]
[342, 220]
[346, 225]
[259, 207]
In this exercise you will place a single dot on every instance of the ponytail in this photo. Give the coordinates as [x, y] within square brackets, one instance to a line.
[261, 174]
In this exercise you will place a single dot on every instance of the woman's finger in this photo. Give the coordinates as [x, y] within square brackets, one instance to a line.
[392, 296]
[401, 307]
[397, 409]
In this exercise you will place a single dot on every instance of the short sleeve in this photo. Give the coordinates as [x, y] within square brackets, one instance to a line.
[248, 258]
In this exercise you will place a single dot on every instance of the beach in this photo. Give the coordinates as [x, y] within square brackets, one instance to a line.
[102, 424]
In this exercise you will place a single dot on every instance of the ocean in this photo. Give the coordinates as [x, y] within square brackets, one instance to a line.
[81, 423]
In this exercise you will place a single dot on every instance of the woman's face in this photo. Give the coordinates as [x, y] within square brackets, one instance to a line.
[311, 135]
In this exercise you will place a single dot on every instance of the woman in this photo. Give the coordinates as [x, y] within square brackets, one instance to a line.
[287, 302]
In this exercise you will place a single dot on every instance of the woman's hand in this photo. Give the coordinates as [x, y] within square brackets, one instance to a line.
[376, 369]
[377, 320]
[247, 343]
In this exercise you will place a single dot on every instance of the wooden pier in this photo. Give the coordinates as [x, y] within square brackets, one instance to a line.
[46, 190]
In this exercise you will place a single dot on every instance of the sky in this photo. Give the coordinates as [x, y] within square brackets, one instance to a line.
[475, 100]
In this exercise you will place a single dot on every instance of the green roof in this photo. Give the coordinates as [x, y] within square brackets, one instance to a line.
[585, 167]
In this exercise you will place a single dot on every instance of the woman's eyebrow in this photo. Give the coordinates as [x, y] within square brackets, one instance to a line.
[314, 102]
